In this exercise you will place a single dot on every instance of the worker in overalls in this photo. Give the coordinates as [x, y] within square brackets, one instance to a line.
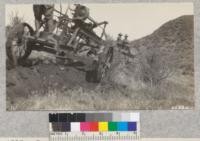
[47, 12]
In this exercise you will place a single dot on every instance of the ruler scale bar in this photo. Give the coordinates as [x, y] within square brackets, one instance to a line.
[94, 136]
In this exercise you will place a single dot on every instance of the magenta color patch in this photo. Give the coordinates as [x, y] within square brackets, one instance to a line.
[85, 126]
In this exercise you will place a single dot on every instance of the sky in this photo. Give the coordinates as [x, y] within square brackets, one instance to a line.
[135, 19]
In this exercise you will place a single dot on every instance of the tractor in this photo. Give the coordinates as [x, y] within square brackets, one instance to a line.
[73, 39]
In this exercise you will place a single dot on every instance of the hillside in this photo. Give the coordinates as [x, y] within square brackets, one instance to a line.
[174, 38]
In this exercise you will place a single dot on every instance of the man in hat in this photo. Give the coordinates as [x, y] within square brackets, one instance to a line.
[119, 41]
[81, 14]
[126, 44]
[125, 41]
[119, 38]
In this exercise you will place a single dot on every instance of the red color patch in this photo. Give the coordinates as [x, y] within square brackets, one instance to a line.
[94, 126]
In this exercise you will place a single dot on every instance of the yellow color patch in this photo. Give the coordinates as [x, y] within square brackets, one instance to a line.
[103, 126]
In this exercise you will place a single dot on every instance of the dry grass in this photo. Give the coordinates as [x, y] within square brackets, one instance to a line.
[114, 97]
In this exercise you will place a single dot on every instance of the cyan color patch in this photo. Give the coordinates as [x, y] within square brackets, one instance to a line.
[122, 126]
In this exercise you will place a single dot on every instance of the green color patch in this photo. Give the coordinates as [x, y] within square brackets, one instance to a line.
[112, 126]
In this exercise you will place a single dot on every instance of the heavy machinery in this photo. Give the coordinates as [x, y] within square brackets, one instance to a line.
[73, 39]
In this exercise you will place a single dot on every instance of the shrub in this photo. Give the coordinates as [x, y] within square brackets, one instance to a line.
[155, 66]
[15, 19]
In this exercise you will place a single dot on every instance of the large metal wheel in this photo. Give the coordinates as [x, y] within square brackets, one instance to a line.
[104, 63]
[101, 66]
[17, 47]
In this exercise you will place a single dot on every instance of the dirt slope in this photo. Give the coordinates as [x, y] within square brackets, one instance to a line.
[44, 73]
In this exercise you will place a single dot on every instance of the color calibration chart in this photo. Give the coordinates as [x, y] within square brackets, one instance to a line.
[94, 126]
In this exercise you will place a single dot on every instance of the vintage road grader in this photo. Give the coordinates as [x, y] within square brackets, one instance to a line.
[73, 39]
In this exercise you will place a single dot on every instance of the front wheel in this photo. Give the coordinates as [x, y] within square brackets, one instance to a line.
[101, 66]
[17, 47]
[104, 63]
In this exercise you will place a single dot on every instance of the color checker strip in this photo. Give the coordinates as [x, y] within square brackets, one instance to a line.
[94, 126]
[93, 122]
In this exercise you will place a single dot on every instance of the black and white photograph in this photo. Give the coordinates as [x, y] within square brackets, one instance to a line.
[111, 56]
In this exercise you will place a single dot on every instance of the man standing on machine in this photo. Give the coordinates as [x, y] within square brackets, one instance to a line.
[48, 22]
[47, 12]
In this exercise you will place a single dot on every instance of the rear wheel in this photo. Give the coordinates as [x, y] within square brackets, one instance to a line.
[17, 47]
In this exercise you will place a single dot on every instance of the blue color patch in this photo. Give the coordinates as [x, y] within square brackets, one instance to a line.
[132, 126]
[122, 126]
